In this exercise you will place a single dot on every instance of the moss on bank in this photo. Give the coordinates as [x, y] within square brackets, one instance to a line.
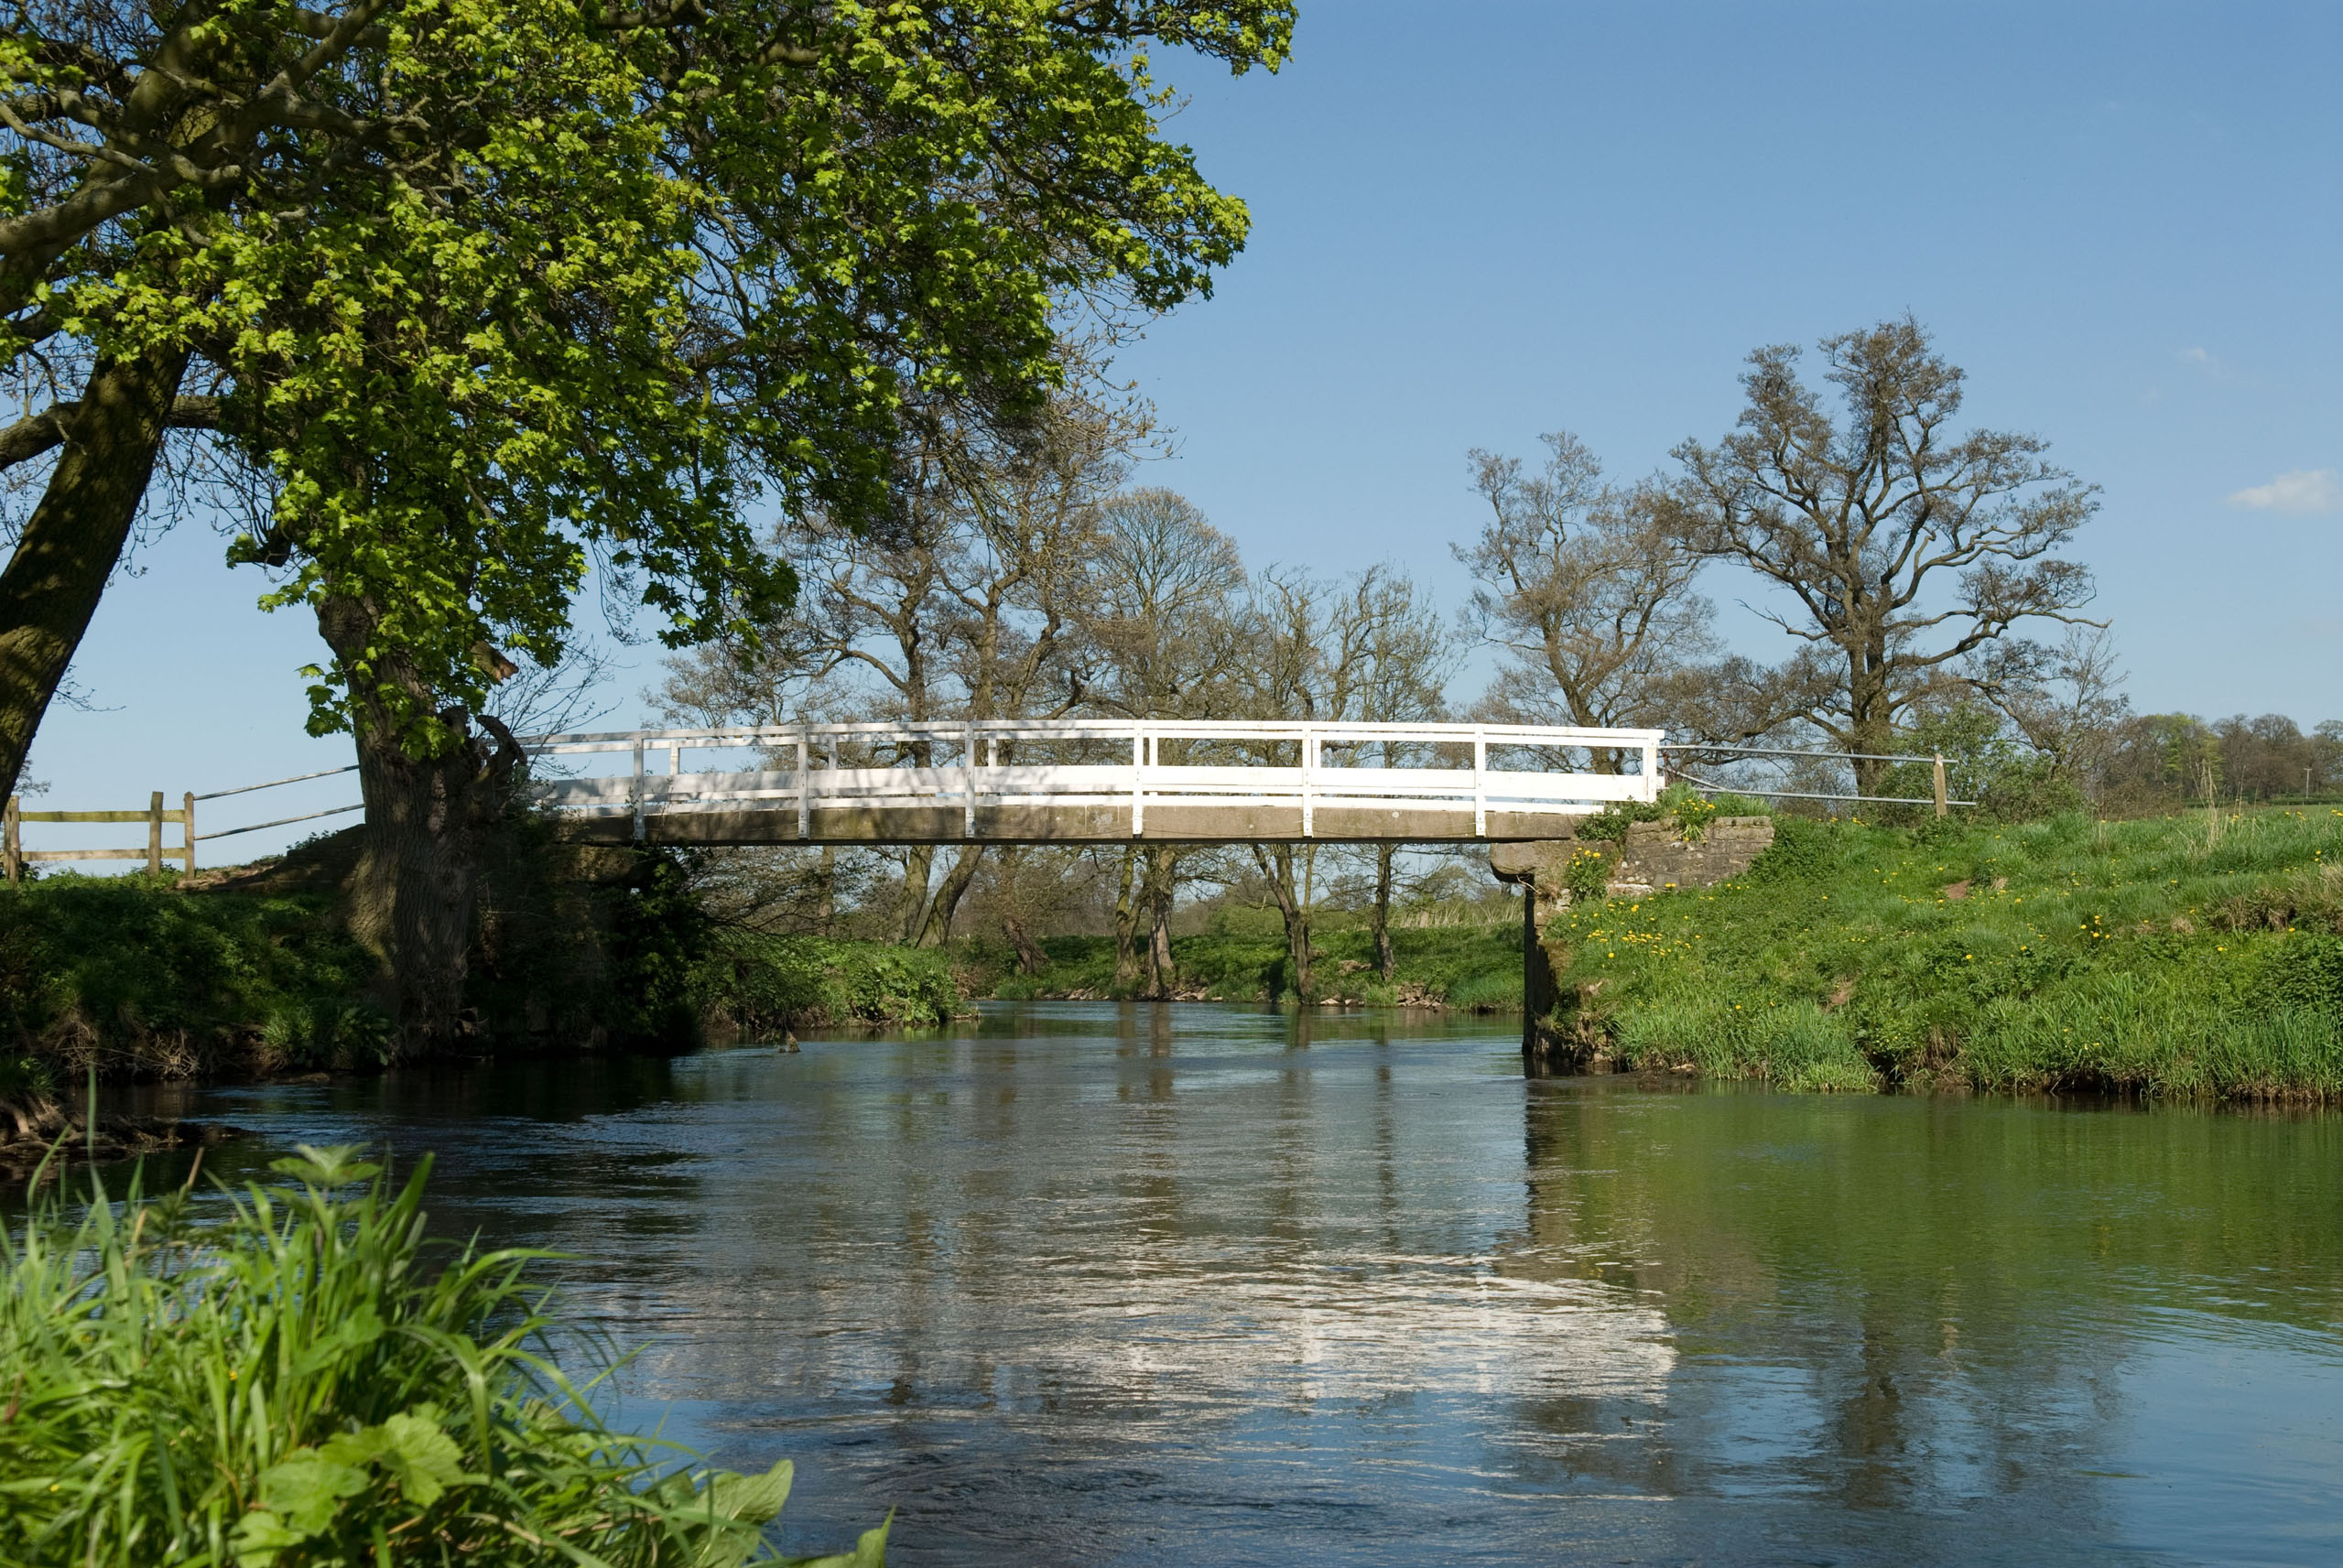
[2167, 956]
[1242, 959]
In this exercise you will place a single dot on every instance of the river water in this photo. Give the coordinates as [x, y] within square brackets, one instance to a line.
[1202, 1284]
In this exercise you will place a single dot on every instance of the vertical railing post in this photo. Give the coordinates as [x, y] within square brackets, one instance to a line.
[637, 790]
[1138, 774]
[187, 820]
[155, 833]
[1652, 769]
[15, 842]
[1310, 781]
[1479, 785]
[968, 773]
[1941, 786]
[805, 783]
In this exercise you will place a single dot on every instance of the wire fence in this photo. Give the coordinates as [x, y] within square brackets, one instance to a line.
[1941, 797]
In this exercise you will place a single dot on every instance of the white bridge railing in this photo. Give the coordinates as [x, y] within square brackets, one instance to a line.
[1094, 762]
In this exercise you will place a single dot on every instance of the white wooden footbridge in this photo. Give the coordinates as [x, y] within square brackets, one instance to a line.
[1089, 781]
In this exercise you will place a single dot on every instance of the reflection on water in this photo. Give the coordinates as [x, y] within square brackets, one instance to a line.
[1202, 1284]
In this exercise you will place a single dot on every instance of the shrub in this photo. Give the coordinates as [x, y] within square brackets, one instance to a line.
[1681, 804]
[292, 1387]
[155, 982]
[1587, 874]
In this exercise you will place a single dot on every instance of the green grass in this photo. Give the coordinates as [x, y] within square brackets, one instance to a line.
[2150, 957]
[297, 1386]
[1243, 958]
[147, 980]
[755, 984]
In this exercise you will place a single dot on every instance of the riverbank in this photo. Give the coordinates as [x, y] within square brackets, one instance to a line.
[1475, 964]
[143, 980]
[2187, 956]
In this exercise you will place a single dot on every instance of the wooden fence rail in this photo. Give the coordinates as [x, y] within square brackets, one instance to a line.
[14, 854]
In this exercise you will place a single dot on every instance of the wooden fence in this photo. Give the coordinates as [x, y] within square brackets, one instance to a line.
[14, 853]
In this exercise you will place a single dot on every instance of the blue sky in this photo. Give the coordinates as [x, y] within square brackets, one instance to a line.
[1477, 222]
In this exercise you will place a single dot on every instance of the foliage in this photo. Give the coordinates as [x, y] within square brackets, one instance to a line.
[489, 291]
[1682, 805]
[1587, 874]
[2156, 956]
[1245, 957]
[759, 983]
[146, 978]
[661, 938]
[293, 1387]
[680, 970]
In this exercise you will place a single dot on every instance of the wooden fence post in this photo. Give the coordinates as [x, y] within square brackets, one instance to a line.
[1940, 787]
[155, 833]
[187, 818]
[14, 851]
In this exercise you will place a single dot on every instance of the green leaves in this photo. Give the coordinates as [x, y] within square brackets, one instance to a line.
[408, 1459]
[513, 296]
[295, 1388]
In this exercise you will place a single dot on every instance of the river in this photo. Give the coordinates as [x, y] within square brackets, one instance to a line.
[1204, 1284]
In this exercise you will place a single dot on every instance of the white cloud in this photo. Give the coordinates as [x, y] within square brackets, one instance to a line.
[2298, 493]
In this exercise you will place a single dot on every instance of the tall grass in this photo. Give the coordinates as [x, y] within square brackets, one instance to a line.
[293, 1386]
[2157, 956]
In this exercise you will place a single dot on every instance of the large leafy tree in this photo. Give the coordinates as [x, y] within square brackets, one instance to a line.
[481, 292]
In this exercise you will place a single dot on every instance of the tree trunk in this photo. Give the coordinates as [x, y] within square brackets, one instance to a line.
[1386, 964]
[1869, 728]
[1031, 960]
[826, 898]
[1126, 923]
[413, 892]
[911, 917]
[937, 929]
[75, 537]
[1162, 870]
[1277, 865]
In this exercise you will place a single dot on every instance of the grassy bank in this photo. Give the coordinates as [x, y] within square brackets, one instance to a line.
[305, 1382]
[2171, 956]
[145, 981]
[1242, 959]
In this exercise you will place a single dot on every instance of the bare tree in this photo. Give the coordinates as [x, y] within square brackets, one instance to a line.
[2066, 703]
[963, 604]
[1029, 518]
[1370, 649]
[1166, 635]
[1905, 545]
[1395, 654]
[1588, 589]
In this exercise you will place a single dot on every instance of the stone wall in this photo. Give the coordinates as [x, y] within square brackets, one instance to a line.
[1656, 858]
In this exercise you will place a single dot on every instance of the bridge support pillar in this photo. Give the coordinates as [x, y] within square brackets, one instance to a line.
[1654, 859]
[1536, 869]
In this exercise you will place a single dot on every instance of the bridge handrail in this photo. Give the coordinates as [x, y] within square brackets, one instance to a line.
[982, 776]
[1100, 728]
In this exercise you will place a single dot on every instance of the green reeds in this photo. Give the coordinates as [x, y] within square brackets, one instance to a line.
[293, 1386]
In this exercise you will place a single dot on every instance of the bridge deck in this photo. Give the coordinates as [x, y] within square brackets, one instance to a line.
[1049, 782]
